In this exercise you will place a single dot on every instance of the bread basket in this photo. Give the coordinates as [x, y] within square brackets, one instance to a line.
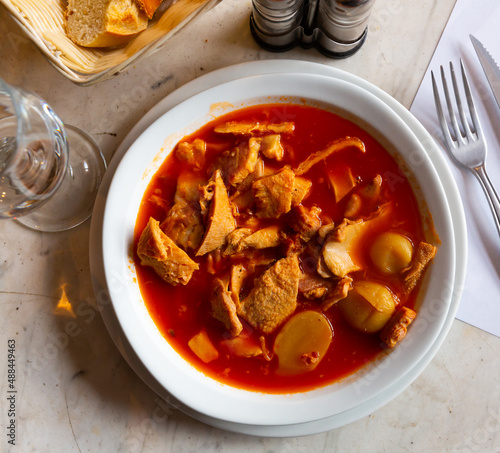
[43, 22]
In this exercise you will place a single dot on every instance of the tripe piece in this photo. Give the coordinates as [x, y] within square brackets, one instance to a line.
[273, 193]
[274, 297]
[331, 148]
[224, 308]
[397, 327]
[220, 219]
[169, 261]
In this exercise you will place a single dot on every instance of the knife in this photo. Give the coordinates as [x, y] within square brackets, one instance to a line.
[490, 67]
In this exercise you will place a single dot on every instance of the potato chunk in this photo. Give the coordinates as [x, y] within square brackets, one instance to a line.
[391, 252]
[368, 306]
[302, 342]
[203, 347]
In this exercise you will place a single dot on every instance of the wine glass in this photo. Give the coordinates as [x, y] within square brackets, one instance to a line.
[49, 172]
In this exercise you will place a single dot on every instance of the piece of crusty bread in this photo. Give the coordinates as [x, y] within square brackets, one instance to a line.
[104, 23]
[149, 6]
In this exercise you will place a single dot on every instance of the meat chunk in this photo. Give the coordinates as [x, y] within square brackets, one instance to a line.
[306, 221]
[423, 256]
[239, 162]
[338, 293]
[243, 198]
[312, 286]
[234, 239]
[236, 280]
[249, 127]
[273, 193]
[187, 189]
[224, 308]
[220, 219]
[271, 147]
[291, 244]
[169, 261]
[273, 297]
[314, 259]
[324, 231]
[184, 225]
[396, 328]
[367, 198]
[263, 238]
[193, 153]
[300, 189]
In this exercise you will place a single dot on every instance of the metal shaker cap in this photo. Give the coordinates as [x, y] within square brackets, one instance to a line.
[276, 17]
[344, 21]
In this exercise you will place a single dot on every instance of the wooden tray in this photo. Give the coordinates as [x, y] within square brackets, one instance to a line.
[43, 22]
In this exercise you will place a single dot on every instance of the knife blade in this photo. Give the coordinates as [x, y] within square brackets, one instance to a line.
[490, 67]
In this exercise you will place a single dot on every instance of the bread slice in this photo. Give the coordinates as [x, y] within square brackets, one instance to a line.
[149, 6]
[104, 23]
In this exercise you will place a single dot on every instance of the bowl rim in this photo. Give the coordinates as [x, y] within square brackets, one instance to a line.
[271, 417]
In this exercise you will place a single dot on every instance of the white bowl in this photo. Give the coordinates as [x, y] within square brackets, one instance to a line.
[199, 392]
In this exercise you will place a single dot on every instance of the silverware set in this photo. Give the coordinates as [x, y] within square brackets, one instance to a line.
[463, 134]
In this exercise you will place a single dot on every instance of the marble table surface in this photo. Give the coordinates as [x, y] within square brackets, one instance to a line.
[75, 392]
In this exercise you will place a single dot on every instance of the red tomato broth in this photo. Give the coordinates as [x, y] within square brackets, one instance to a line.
[181, 312]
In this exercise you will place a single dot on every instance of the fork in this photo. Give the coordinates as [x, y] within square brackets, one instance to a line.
[465, 140]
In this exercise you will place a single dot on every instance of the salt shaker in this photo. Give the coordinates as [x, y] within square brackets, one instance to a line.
[342, 25]
[275, 24]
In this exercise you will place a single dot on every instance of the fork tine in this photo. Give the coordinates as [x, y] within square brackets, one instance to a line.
[468, 131]
[451, 111]
[470, 102]
[440, 112]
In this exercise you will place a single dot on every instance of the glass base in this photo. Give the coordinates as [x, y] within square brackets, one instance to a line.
[73, 201]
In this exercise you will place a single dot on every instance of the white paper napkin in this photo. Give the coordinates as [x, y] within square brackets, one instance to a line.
[480, 305]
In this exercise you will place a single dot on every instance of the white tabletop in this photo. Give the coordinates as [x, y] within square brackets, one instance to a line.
[76, 393]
